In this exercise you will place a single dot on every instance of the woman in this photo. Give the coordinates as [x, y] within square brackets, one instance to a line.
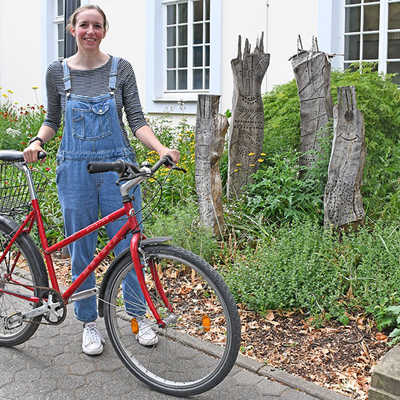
[90, 89]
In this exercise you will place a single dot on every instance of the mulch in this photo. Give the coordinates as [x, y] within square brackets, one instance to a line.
[334, 356]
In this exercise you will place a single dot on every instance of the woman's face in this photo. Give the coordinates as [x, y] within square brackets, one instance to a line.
[89, 30]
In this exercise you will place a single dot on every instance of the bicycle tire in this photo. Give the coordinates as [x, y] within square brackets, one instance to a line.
[187, 359]
[30, 271]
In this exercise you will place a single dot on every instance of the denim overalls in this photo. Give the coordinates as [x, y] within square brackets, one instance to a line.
[92, 132]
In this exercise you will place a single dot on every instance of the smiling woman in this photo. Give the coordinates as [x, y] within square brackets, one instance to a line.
[91, 89]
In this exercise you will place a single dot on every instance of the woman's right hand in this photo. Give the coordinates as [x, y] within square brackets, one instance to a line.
[31, 152]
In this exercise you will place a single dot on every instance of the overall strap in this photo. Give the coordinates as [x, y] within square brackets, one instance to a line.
[67, 77]
[113, 73]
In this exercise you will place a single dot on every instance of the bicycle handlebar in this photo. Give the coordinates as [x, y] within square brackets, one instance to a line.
[100, 166]
[17, 156]
[123, 167]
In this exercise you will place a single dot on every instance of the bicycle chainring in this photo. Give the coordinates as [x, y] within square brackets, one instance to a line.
[58, 309]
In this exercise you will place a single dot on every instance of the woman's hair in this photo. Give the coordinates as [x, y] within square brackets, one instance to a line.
[74, 15]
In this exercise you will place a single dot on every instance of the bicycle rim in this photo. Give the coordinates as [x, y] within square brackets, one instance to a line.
[19, 261]
[197, 350]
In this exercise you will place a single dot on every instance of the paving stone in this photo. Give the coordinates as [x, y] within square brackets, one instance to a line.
[247, 378]
[108, 364]
[7, 377]
[65, 359]
[271, 388]
[58, 395]
[68, 382]
[82, 367]
[99, 377]
[36, 396]
[293, 394]
[14, 390]
[28, 375]
[54, 372]
[42, 387]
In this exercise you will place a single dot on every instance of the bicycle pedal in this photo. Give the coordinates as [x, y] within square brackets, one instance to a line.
[13, 321]
[83, 294]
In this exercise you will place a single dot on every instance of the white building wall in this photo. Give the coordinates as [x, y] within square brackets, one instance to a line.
[26, 51]
[20, 49]
[286, 20]
[245, 18]
[126, 36]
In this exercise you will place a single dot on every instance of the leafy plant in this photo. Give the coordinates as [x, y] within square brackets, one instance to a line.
[390, 318]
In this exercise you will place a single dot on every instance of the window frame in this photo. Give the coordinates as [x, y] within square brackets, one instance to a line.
[331, 31]
[190, 45]
[160, 100]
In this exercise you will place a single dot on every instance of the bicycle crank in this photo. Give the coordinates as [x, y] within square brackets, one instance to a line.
[52, 309]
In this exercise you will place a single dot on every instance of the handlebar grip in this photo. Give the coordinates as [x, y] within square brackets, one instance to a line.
[165, 160]
[95, 167]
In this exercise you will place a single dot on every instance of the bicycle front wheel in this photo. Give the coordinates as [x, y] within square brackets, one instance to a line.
[199, 345]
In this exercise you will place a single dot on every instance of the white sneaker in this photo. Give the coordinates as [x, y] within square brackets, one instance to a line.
[92, 340]
[146, 336]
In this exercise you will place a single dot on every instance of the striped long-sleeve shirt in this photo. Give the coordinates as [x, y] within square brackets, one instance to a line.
[94, 82]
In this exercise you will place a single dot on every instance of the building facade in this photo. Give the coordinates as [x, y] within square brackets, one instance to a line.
[180, 48]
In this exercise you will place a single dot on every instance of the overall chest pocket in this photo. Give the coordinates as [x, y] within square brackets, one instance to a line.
[91, 123]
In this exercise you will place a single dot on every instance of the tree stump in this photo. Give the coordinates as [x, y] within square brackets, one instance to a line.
[247, 130]
[211, 128]
[342, 199]
[312, 70]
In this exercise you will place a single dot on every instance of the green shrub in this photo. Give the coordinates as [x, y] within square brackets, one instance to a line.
[277, 192]
[183, 226]
[379, 100]
[302, 266]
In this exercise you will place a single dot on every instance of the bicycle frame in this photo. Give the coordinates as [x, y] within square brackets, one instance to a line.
[130, 225]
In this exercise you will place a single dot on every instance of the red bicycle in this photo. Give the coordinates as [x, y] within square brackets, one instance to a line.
[188, 303]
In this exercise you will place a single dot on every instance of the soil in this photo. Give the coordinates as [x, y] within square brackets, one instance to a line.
[334, 356]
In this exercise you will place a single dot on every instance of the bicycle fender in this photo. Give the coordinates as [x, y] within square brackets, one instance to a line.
[117, 260]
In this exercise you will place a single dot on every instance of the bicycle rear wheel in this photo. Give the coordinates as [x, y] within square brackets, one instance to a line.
[21, 270]
[198, 349]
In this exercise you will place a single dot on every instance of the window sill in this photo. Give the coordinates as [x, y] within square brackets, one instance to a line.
[179, 97]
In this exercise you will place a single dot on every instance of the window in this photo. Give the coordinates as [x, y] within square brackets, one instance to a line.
[187, 52]
[372, 34]
[184, 53]
[393, 40]
[60, 32]
[60, 24]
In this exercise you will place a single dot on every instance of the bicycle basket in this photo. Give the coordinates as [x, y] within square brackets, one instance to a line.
[15, 198]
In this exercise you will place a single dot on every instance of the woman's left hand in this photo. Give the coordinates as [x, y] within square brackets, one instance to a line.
[173, 153]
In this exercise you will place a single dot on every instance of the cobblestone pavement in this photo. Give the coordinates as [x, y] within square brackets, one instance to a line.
[51, 365]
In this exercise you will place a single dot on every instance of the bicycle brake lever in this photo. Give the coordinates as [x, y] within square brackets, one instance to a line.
[179, 169]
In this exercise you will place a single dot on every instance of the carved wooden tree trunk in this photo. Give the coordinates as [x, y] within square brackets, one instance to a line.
[312, 70]
[211, 128]
[342, 200]
[247, 131]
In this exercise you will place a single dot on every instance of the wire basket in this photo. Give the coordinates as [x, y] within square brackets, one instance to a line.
[15, 198]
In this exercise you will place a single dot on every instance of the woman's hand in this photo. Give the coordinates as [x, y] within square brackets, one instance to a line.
[31, 152]
[173, 153]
